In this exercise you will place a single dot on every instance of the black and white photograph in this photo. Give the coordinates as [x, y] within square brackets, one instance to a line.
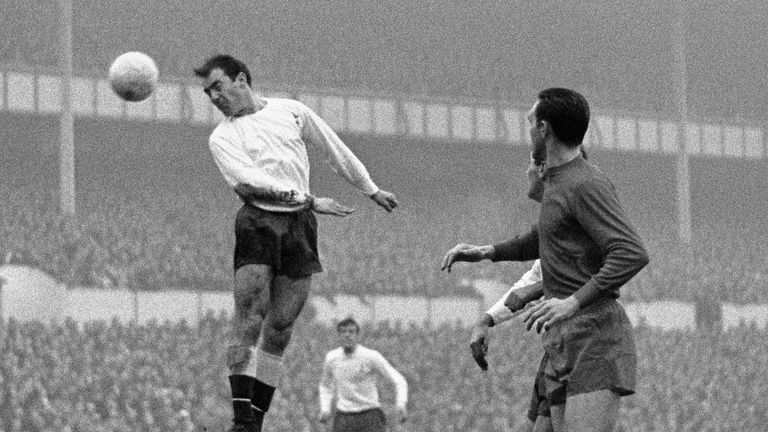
[383, 216]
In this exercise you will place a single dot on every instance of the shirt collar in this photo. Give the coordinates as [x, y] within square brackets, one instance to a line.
[573, 163]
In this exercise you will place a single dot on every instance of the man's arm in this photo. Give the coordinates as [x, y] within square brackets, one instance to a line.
[513, 302]
[320, 205]
[249, 193]
[519, 298]
[525, 290]
[343, 162]
[523, 247]
[598, 211]
[326, 390]
[528, 288]
[401, 385]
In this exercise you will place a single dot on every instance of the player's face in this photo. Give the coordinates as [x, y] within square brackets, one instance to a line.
[348, 336]
[226, 94]
[535, 130]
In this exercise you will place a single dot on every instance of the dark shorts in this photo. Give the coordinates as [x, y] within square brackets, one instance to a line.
[285, 241]
[539, 404]
[593, 350]
[371, 420]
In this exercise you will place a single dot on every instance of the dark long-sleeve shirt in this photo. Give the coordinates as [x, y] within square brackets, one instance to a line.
[585, 241]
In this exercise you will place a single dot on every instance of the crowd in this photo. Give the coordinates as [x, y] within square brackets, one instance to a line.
[618, 53]
[125, 245]
[141, 225]
[97, 376]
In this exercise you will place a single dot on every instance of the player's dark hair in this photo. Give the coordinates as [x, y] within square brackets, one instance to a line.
[230, 65]
[566, 111]
[349, 321]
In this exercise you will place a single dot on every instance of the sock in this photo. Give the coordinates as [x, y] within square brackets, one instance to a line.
[268, 369]
[242, 392]
[261, 395]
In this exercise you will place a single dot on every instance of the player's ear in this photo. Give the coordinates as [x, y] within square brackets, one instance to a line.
[241, 79]
[544, 128]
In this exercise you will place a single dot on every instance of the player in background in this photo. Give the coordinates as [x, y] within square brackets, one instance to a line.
[349, 376]
[260, 149]
[588, 250]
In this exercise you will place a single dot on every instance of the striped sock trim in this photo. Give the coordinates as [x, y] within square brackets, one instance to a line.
[249, 402]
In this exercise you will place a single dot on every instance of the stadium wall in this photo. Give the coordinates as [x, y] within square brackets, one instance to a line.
[480, 121]
[112, 152]
[28, 294]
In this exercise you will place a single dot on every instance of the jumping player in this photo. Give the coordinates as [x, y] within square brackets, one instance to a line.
[260, 149]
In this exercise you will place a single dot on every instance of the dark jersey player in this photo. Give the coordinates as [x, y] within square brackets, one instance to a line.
[588, 250]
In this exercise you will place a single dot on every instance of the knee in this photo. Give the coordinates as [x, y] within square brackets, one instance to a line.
[277, 336]
[250, 327]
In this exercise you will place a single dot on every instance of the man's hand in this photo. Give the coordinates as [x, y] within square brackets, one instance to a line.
[520, 297]
[479, 341]
[329, 206]
[402, 413]
[465, 252]
[324, 417]
[545, 313]
[385, 200]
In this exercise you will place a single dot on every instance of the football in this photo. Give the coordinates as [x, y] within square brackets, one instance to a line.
[133, 76]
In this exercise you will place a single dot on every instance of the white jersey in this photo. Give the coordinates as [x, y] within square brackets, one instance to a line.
[267, 150]
[352, 380]
[499, 312]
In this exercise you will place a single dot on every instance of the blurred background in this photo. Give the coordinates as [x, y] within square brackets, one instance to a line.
[430, 96]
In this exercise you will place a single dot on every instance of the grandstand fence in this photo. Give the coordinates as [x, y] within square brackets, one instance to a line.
[178, 101]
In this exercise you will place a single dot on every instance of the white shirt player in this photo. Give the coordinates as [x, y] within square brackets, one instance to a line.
[499, 312]
[267, 150]
[351, 378]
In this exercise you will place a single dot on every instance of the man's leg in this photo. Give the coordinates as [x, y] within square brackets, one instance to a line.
[558, 417]
[596, 411]
[528, 426]
[251, 295]
[543, 424]
[539, 414]
[286, 301]
[287, 297]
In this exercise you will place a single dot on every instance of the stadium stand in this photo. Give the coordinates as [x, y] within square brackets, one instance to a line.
[155, 215]
[161, 376]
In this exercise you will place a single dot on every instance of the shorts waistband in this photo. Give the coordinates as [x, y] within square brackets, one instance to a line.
[600, 304]
[352, 413]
